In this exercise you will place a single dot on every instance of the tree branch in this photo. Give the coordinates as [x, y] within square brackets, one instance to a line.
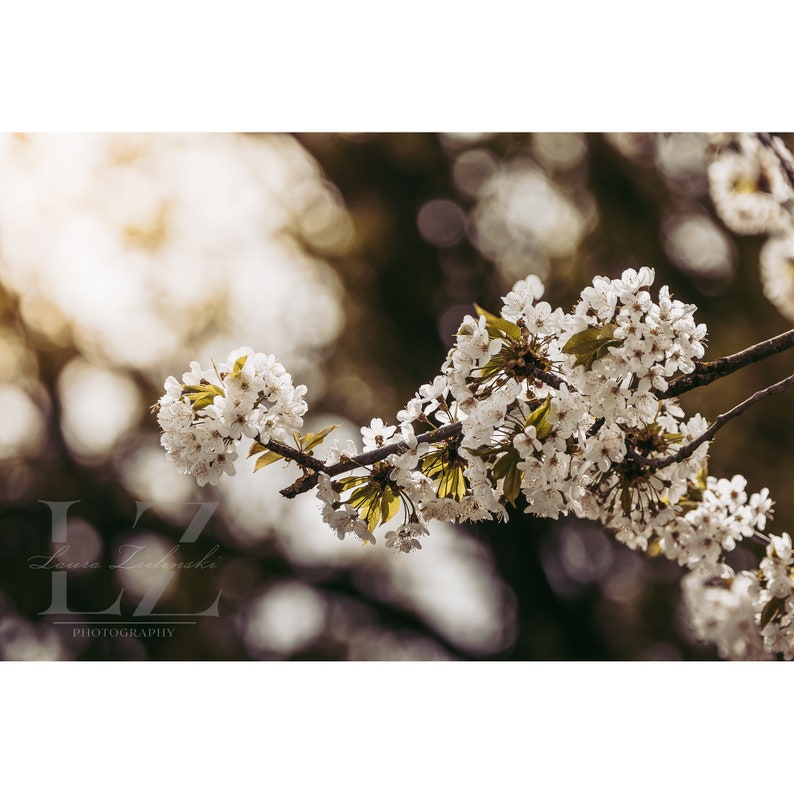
[549, 378]
[722, 419]
[302, 458]
[708, 372]
[703, 374]
[308, 481]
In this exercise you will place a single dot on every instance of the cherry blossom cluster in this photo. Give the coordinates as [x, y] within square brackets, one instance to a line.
[750, 615]
[562, 408]
[204, 417]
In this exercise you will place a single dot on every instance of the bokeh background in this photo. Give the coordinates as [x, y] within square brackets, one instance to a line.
[353, 258]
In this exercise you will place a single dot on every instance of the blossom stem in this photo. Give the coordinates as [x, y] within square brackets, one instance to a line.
[708, 372]
[685, 451]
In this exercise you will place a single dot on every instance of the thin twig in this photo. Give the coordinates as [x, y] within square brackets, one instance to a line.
[708, 372]
[685, 451]
[308, 481]
[768, 142]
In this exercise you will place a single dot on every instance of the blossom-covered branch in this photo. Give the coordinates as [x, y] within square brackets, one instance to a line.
[709, 371]
[535, 408]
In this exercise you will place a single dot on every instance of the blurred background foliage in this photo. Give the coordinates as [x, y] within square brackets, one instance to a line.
[353, 258]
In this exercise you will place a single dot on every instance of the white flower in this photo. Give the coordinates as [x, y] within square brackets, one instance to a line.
[336, 452]
[377, 434]
[346, 520]
[749, 188]
[777, 273]
[605, 448]
[325, 490]
[411, 412]
[405, 539]
[522, 297]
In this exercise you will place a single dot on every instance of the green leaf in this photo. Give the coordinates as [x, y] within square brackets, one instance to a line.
[266, 459]
[311, 440]
[512, 486]
[481, 452]
[389, 505]
[683, 506]
[538, 418]
[506, 468]
[201, 395]
[368, 503]
[591, 344]
[433, 464]
[496, 324]
[447, 475]
[255, 449]
[363, 495]
[372, 517]
[494, 366]
[346, 483]
[238, 365]
[773, 608]
[452, 484]
[502, 466]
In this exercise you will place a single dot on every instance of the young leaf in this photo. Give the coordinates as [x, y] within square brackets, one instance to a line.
[266, 459]
[504, 464]
[495, 324]
[311, 440]
[591, 344]
[201, 395]
[389, 505]
[538, 418]
[481, 452]
[452, 483]
[238, 365]
[256, 448]
[346, 483]
[512, 485]
[363, 495]
[506, 468]
[773, 608]
[432, 464]
[368, 503]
